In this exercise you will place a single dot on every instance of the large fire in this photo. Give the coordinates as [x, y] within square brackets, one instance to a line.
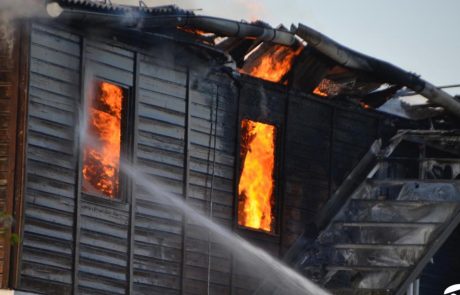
[255, 188]
[101, 156]
[274, 65]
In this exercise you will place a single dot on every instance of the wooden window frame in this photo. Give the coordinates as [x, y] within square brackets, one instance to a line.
[126, 141]
[275, 233]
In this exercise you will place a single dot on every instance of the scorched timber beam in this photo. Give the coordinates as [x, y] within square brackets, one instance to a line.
[384, 70]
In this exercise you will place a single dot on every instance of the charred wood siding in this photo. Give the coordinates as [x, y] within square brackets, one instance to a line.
[265, 103]
[307, 166]
[212, 145]
[352, 135]
[9, 77]
[103, 245]
[323, 145]
[171, 255]
[160, 153]
[51, 160]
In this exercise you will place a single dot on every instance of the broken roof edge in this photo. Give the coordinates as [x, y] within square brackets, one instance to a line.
[387, 71]
[141, 18]
[150, 18]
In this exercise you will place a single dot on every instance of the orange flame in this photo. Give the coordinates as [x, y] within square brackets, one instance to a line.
[255, 188]
[319, 92]
[193, 31]
[275, 64]
[365, 105]
[101, 160]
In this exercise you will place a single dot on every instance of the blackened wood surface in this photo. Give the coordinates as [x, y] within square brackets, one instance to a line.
[308, 148]
[323, 145]
[263, 102]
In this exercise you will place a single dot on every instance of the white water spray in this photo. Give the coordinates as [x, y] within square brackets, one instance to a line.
[278, 274]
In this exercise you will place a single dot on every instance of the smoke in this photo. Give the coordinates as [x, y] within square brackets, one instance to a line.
[14, 9]
[252, 10]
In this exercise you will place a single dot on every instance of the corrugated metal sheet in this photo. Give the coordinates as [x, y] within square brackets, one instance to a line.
[51, 161]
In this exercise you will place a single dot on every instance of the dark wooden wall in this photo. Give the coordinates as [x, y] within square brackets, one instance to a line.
[51, 159]
[323, 144]
[186, 135]
[318, 144]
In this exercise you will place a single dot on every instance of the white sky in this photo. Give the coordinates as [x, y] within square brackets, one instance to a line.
[420, 36]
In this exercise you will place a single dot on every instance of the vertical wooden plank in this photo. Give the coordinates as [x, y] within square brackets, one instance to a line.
[8, 114]
[331, 144]
[421, 161]
[281, 188]
[188, 117]
[21, 146]
[236, 172]
[77, 218]
[133, 156]
[212, 185]
[9, 66]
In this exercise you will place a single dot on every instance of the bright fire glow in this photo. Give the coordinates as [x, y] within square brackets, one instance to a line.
[319, 92]
[193, 31]
[255, 188]
[274, 65]
[101, 158]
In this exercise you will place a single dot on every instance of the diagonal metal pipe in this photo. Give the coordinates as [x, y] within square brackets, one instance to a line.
[384, 70]
[135, 18]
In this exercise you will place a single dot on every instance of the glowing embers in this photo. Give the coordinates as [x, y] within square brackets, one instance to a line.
[274, 64]
[256, 185]
[327, 88]
[101, 154]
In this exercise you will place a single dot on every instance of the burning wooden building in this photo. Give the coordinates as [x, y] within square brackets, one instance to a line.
[277, 135]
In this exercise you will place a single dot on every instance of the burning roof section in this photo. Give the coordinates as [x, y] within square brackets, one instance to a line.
[300, 58]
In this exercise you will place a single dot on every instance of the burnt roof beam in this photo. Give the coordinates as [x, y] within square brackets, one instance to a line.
[230, 28]
[142, 20]
[384, 70]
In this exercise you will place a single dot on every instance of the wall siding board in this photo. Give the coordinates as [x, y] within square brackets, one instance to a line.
[104, 223]
[49, 193]
[211, 144]
[57, 101]
[160, 153]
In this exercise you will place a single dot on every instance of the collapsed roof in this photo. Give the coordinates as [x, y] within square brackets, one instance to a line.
[300, 57]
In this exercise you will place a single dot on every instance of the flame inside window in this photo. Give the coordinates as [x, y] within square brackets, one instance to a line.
[101, 154]
[256, 185]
